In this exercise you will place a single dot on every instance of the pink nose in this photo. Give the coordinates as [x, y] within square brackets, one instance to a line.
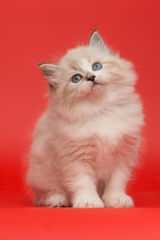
[91, 78]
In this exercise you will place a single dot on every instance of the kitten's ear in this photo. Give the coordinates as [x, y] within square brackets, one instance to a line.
[95, 40]
[50, 72]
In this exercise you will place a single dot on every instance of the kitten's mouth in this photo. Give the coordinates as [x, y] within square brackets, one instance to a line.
[95, 89]
[97, 84]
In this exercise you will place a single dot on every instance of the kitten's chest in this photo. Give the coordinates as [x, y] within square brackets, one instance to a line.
[108, 129]
[100, 155]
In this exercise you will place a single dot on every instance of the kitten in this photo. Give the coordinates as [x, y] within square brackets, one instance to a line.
[90, 132]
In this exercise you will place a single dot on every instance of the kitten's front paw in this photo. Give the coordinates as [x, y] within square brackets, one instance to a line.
[54, 200]
[87, 201]
[116, 200]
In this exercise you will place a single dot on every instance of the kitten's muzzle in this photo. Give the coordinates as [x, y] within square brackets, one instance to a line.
[90, 77]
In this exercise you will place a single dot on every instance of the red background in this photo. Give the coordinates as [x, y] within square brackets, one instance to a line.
[42, 31]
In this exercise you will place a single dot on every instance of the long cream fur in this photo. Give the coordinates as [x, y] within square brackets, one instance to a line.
[87, 141]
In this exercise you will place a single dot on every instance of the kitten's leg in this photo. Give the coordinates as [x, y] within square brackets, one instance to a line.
[42, 176]
[114, 194]
[57, 198]
[54, 196]
[84, 192]
[48, 192]
[126, 158]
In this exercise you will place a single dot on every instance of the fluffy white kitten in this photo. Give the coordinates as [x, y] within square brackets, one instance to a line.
[89, 136]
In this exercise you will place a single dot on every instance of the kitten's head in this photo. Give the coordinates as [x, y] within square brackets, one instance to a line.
[88, 73]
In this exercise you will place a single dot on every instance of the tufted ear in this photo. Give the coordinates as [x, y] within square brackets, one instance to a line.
[50, 72]
[96, 41]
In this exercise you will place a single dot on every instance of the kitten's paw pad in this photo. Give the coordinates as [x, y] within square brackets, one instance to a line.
[55, 200]
[118, 201]
[88, 202]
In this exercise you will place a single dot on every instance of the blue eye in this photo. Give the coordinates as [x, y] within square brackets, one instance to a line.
[96, 66]
[76, 78]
